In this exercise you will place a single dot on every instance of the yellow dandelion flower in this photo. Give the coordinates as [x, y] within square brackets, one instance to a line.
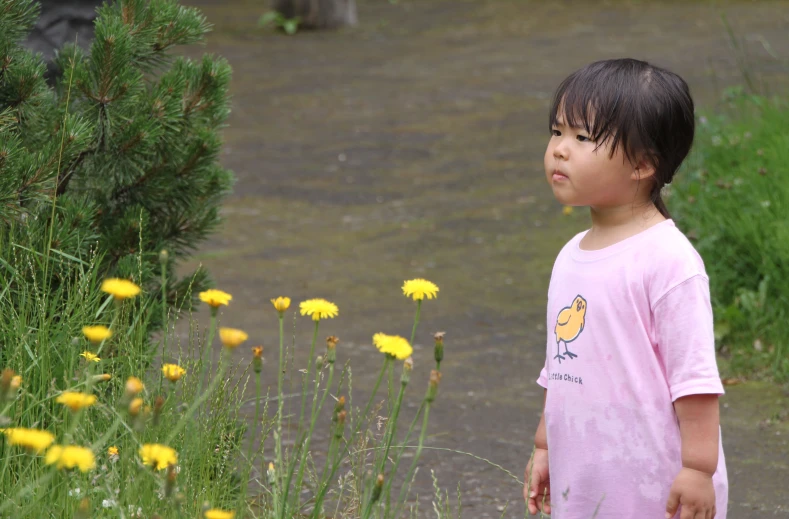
[134, 406]
[158, 456]
[420, 288]
[120, 288]
[257, 352]
[16, 382]
[215, 513]
[96, 334]
[281, 303]
[173, 372]
[567, 210]
[90, 357]
[70, 456]
[34, 440]
[112, 451]
[393, 345]
[215, 298]
[232, 337]
[318, 309]
[134, 386]
[75, 400]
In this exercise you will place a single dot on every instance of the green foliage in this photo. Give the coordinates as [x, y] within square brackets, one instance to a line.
[732, 200]
[289, 25]
[127, 139]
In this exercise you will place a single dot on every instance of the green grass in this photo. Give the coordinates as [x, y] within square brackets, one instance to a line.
[732, 200]
[221, 461]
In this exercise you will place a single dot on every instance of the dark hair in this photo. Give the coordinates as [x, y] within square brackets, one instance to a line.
[643, 108]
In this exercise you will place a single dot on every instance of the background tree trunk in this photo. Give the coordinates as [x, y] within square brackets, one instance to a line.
[60, 22]
[319, 14]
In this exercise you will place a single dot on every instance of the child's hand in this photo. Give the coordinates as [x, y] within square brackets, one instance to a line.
[539, 491]
[694, 491]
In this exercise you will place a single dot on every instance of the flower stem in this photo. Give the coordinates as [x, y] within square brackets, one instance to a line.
[280, 399]
[306, 377]
[391, 427]
[206, 352]
[418, 453]
[399, 456]
[416, 321]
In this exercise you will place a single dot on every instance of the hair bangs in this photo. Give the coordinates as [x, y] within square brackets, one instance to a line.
[594, 99]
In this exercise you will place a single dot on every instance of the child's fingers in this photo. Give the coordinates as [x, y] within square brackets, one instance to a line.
[672, 504]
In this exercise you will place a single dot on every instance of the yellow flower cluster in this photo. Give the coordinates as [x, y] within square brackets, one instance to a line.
[70, 456]
[393, 345]
[75, 400]
[34, 440]
[215, 298]
[215, 513]
[232, 337]
[97, 334]
[420, 289]
[120, 289]
[90, 357]
[318, 309]
[158, 456]
[173, 372]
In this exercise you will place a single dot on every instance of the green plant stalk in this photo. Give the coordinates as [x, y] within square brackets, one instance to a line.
[291, 468]
[313, 418]
[206, 352]
[329, 460]
[357, 426]
[258, 384]
[418, 453]
[280, 403]
[416, 321]
[399, 456]
[57, 176]
[306, 377]
[164, 321]
[199, 400]
[392, 427]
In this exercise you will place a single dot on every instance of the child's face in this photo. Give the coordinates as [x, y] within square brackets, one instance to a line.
[583, 174]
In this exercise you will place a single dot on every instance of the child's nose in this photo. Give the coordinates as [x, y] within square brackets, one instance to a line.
[560, 152]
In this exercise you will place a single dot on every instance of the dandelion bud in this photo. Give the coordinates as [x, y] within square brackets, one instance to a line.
[340, 405]
[16, 382]
[319, 363]
[164, 256]
[134, 386]
[83, 510]
[271, 474]
[281, 304]
[6, 378]
[340, 423]
[158, 406]
[408, 366]
[135, 406]
[169, 484]
[104, 377]
[331, 349]
[439, 349]
[379, 485]
[432, 388]
[257, 359]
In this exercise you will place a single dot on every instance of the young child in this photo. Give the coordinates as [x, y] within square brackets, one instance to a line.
[630, 427]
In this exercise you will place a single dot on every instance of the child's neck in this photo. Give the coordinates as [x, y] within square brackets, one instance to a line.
[612, 225]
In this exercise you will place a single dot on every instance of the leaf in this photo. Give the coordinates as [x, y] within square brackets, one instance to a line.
[268, 18]
[291, 26]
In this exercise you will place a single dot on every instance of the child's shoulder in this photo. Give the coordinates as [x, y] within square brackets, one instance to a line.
[670, 248]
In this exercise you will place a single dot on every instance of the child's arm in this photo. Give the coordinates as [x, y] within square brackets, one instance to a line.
[699, 422]
[699, 426]
[536, 479]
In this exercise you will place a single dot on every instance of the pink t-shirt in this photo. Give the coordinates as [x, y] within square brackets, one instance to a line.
[629, 331]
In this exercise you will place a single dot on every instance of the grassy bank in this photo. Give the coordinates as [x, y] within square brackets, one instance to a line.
[732, 200]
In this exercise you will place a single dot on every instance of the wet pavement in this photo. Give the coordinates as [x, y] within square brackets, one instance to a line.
[412, 147]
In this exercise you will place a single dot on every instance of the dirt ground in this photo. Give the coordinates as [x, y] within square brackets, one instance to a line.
[412, 147]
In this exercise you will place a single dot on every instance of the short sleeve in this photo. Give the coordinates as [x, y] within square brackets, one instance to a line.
[685, 339]
[543, 378]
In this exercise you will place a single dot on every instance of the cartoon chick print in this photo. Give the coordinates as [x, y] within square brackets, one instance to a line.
[569, 325]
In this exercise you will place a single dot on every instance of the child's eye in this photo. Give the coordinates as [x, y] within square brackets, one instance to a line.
[556, 133]
[582, 138]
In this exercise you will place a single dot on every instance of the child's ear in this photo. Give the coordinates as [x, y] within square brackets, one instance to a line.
[643, 170]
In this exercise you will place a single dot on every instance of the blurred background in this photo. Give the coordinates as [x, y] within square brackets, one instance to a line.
[410, 145]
